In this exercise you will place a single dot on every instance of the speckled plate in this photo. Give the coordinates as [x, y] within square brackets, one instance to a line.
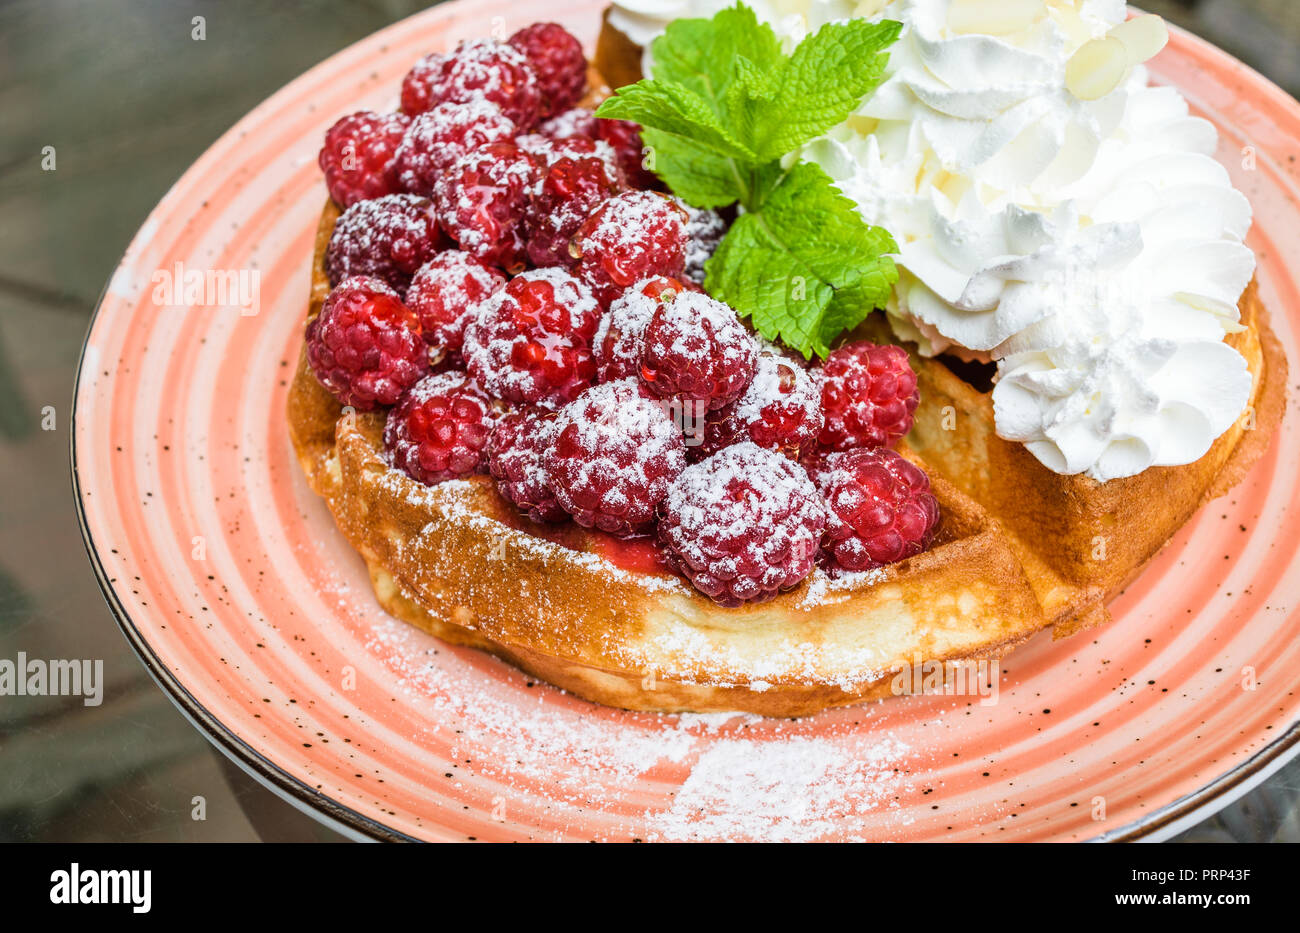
[229, 578]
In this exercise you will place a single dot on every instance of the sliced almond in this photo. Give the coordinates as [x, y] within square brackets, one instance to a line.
[1096, 69]
[1143, 37]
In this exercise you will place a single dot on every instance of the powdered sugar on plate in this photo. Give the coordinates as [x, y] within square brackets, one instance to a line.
[740, 777]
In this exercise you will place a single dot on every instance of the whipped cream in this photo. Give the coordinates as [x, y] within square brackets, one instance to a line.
[1092, 247]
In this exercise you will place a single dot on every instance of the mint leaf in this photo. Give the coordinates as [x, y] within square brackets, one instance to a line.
[823, 82]
[675, 109]
[806, 267]
[702, 54]
[694, 172]
[723, 109]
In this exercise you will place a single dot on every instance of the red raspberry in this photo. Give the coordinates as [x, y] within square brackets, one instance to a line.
[389, 238]
[571, 190]
[440, 429]
[704, 231]
[519, 441]
[437, 139]
[780, 410]
[357, 157]
[365, 345]
[481, 202]
[743, 525]
[483, 68]
[880, 509]
[868, 396]
[625, 137]
[531, 341]
[444, 293]
[612, 458]
[557, 58]
[620, 336]
[630, 237]
[579, 121]
[696, 348]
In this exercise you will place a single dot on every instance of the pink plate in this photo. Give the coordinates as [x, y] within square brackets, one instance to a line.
[229, 578]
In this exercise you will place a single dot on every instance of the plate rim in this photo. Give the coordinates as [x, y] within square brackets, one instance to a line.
[1156, 826]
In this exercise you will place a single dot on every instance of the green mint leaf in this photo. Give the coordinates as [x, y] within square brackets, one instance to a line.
[695, 173]
[821, 84]
[702, 54]
[806, 267]
[675, 109]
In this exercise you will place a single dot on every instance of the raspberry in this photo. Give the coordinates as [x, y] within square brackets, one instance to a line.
[571, 190]
[880, 509]
[481, 202]
[696, 348]
[630, 237]
[365, 345]
[579, 121]
[444, 293]
[483, 68]
[704, 231]
[389, 238]
[531, 341]
[557, 58]
[868, 396]
[440, 429]
[437, 139]
[612, 458]
[519, 440]
[625, 137]
[743, 525]
[780, 410]
[620, 336]
[357, 157]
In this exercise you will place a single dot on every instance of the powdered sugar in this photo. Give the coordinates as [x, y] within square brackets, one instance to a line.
[745, 523]
[436, 139]
[614, 454]
[705, 229]
[737, 776]
[531, 341]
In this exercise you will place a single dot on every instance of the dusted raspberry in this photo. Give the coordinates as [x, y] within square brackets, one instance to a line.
[743, 525]
[780, 410]
[625, 137]
[620, 336]
[704, 231]
[357, 157]
[868, 396]
[481, 69]
[612, 458]
[557, 58]
[579, 121]
[880, 509]
[365, 345]
[389, 238]
[481, 202]
[519, 440]
[571, 190]
[630, 237]
[444, 293]
[440, 429]
[531, 341]
[696, 348]
[437, 139]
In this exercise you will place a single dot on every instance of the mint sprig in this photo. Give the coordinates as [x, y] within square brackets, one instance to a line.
[723, 109]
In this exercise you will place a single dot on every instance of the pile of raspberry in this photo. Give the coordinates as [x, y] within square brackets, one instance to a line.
[513, 290]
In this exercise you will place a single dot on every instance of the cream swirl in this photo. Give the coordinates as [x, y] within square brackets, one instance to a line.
[1092, 247]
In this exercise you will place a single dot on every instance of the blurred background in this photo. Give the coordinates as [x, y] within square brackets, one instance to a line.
[128, 102]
